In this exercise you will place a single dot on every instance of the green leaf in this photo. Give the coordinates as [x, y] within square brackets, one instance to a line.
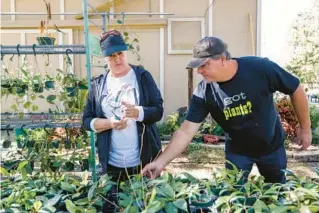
[37, 205]
[279, 209]
[168, 190]
[259, 206]
[91, 191]
[59, 70]
[14, 107]
[125, 33]
[27, 105]
[53, 200]
[82, 202]
[181, 204]
[310, 192]
[22, 165]
[153, 207]
[51, 98]
[169, 207]
[119, 21]
[70, 206]
[67, 187]
[33, 97]
[4, 172]
[49, 209]
[35, 107]
[41, 96]
[239, 210]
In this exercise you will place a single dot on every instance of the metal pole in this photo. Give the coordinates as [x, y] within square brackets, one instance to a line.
[88, 71]
[75, 13]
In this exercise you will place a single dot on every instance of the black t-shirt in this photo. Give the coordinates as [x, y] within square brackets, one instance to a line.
[244, 106]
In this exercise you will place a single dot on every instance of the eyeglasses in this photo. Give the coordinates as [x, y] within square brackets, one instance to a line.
[104, 35]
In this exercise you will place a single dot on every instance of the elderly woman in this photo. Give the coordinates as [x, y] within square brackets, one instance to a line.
[123, 107]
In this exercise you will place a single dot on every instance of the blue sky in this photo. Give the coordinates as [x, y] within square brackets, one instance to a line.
[277, 19]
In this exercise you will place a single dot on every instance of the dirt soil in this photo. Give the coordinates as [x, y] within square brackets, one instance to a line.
[202, 161]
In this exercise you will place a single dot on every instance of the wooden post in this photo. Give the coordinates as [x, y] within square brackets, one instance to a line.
[190, 84]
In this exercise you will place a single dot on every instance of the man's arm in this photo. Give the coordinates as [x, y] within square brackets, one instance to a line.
[300, 103]
[179, 142]
[301, 107]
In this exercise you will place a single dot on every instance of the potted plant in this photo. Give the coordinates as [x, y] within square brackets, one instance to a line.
[71, 85]
[46, 38]
[20, 86]
[37, 84]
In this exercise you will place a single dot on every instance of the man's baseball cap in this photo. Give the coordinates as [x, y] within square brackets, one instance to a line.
[205, 49]
[111, 42]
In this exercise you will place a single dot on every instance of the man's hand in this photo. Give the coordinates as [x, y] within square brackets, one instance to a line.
[304, 138]
[130, 110]
[152, 170]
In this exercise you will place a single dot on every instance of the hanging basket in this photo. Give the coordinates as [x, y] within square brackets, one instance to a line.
[46, 40]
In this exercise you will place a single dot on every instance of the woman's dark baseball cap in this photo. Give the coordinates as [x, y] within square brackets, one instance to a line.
[112, 42]
[206, 48]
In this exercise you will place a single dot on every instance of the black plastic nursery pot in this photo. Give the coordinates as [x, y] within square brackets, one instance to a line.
[68, 166]
[46, 40]
[6, 144]
[49, 84]
[37, 88]
[55, 144]
[82, 85]
[72, 91]
[5, 84]
[21, 89]
[84, 164]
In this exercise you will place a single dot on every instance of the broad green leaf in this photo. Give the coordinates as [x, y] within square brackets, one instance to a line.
[67, 187]
[239, 210]
[53, 201]
[91, 191]
[41, 96]
[181, 204]
[153, 207]
[70, 206]
[4, 172]
[91, 210]
[22, 165]
[49, 209]
[313, 193]
[314, 208]
[14, 210]
[168, 190]
[259, 205]
[82, 202]
[14, 107]
[169, 207]
[279, 209]
[27, 105]
[37, 205]
[51, 98]
[222, 200]
[125, 200]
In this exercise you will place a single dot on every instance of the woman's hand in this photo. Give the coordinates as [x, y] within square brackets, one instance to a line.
[118, 124]
[130, 110]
